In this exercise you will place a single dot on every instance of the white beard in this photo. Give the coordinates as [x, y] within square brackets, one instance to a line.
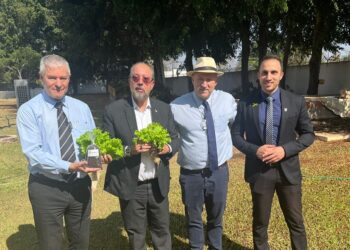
[139, 96]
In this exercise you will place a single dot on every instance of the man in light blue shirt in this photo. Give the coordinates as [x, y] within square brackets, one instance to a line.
[203, 118]
[59, 186]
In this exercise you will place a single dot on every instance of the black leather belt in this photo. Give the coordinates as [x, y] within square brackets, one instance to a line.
[200, 171]
[69, 177]
[194, 171]
[273, 165]
[146, 181]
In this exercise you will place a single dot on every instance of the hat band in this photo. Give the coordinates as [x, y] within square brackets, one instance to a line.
[205, 68]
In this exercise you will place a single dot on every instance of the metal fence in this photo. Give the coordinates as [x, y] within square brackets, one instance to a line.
[7, 86]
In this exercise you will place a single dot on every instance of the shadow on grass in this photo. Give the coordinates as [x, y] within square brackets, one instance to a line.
[25, 238]
[178, 228]
[108, 234]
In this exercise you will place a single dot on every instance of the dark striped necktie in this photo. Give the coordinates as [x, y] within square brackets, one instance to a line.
[65, 135]
[269, 121]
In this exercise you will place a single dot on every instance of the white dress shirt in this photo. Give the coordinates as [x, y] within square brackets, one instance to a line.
[147, 166]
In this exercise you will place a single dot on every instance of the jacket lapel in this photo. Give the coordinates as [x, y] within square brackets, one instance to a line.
[284, 110]
[154, 112]
[130, 116]
[254, 105]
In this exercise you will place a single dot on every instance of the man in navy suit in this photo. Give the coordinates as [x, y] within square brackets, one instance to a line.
[271, 136]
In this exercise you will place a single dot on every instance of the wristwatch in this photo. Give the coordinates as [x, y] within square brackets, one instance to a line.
[127, 151]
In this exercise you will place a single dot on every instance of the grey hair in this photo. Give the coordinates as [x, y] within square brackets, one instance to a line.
[52, 61]
[141, 63]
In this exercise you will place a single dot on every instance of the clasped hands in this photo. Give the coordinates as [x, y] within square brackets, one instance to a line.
[270, 154]
[141, 148]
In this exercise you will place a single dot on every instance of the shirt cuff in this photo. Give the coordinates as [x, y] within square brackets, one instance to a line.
[170, 148]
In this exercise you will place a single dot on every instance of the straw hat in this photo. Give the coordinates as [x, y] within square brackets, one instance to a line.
[205, 65]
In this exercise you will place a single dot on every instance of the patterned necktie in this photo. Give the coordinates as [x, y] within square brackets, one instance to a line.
[212, 150]
[65, 135]
[269, 121]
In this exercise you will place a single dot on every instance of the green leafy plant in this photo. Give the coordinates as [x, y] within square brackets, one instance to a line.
[154, 134]
[107, 145]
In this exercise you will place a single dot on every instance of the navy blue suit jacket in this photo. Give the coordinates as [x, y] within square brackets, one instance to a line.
[296, 134]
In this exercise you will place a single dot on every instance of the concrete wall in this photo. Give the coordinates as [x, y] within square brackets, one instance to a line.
[7, 94]
[335, 76]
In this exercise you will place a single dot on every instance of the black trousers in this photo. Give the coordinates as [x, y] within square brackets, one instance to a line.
[52, 201]
[289, 197]
[147, 209]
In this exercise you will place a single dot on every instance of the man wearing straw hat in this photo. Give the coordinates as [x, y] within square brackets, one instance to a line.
[203, 117]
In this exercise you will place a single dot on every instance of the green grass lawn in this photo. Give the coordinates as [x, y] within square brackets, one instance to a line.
[326, 202]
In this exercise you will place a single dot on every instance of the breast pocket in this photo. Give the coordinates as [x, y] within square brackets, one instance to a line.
[79, 127]
[221, 122]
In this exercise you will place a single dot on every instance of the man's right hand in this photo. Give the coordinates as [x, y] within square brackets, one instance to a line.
[141, 148]
[270, 153]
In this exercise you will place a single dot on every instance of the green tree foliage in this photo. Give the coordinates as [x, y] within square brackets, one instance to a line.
[102, 38]
[27, 30]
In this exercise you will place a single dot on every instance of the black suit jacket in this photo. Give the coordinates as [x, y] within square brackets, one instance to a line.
[120, 121]
[295, 134]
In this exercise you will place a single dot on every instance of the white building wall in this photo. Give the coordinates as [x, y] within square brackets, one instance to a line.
[335, 76]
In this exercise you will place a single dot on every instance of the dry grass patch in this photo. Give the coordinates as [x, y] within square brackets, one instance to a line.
[325, 203]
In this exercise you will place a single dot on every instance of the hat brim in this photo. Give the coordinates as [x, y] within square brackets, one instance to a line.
[191, 73]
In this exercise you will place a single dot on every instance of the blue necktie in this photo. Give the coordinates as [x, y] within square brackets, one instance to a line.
[269, 121]
[212, 150]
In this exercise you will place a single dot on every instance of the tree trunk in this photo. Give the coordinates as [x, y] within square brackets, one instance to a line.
[286, 53]
[159, 76]
[262, 41]
[189, 66]
[245, 35]
[320, 31]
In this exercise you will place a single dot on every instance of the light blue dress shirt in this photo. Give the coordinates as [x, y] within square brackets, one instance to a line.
[188, 113]
[38, 132]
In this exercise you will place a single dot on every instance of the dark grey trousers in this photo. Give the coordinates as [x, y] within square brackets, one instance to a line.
[289, 197]
[147, 209]
[52, 201]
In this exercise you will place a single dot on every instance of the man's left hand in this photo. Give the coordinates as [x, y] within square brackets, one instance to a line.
[157, 152]
[273, 155]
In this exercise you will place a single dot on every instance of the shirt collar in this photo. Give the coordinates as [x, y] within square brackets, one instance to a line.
[51, 102]
[275, 94]
[137, 107]
[200, 101]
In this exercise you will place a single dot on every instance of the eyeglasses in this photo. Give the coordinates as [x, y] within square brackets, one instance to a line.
[145, 80]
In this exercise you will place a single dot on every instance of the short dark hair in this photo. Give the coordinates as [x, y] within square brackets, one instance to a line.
[269, 57]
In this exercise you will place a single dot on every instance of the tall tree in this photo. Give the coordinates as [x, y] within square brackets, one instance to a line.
[27, 30]
[295, 25]
[330, 28]
[323, 23]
